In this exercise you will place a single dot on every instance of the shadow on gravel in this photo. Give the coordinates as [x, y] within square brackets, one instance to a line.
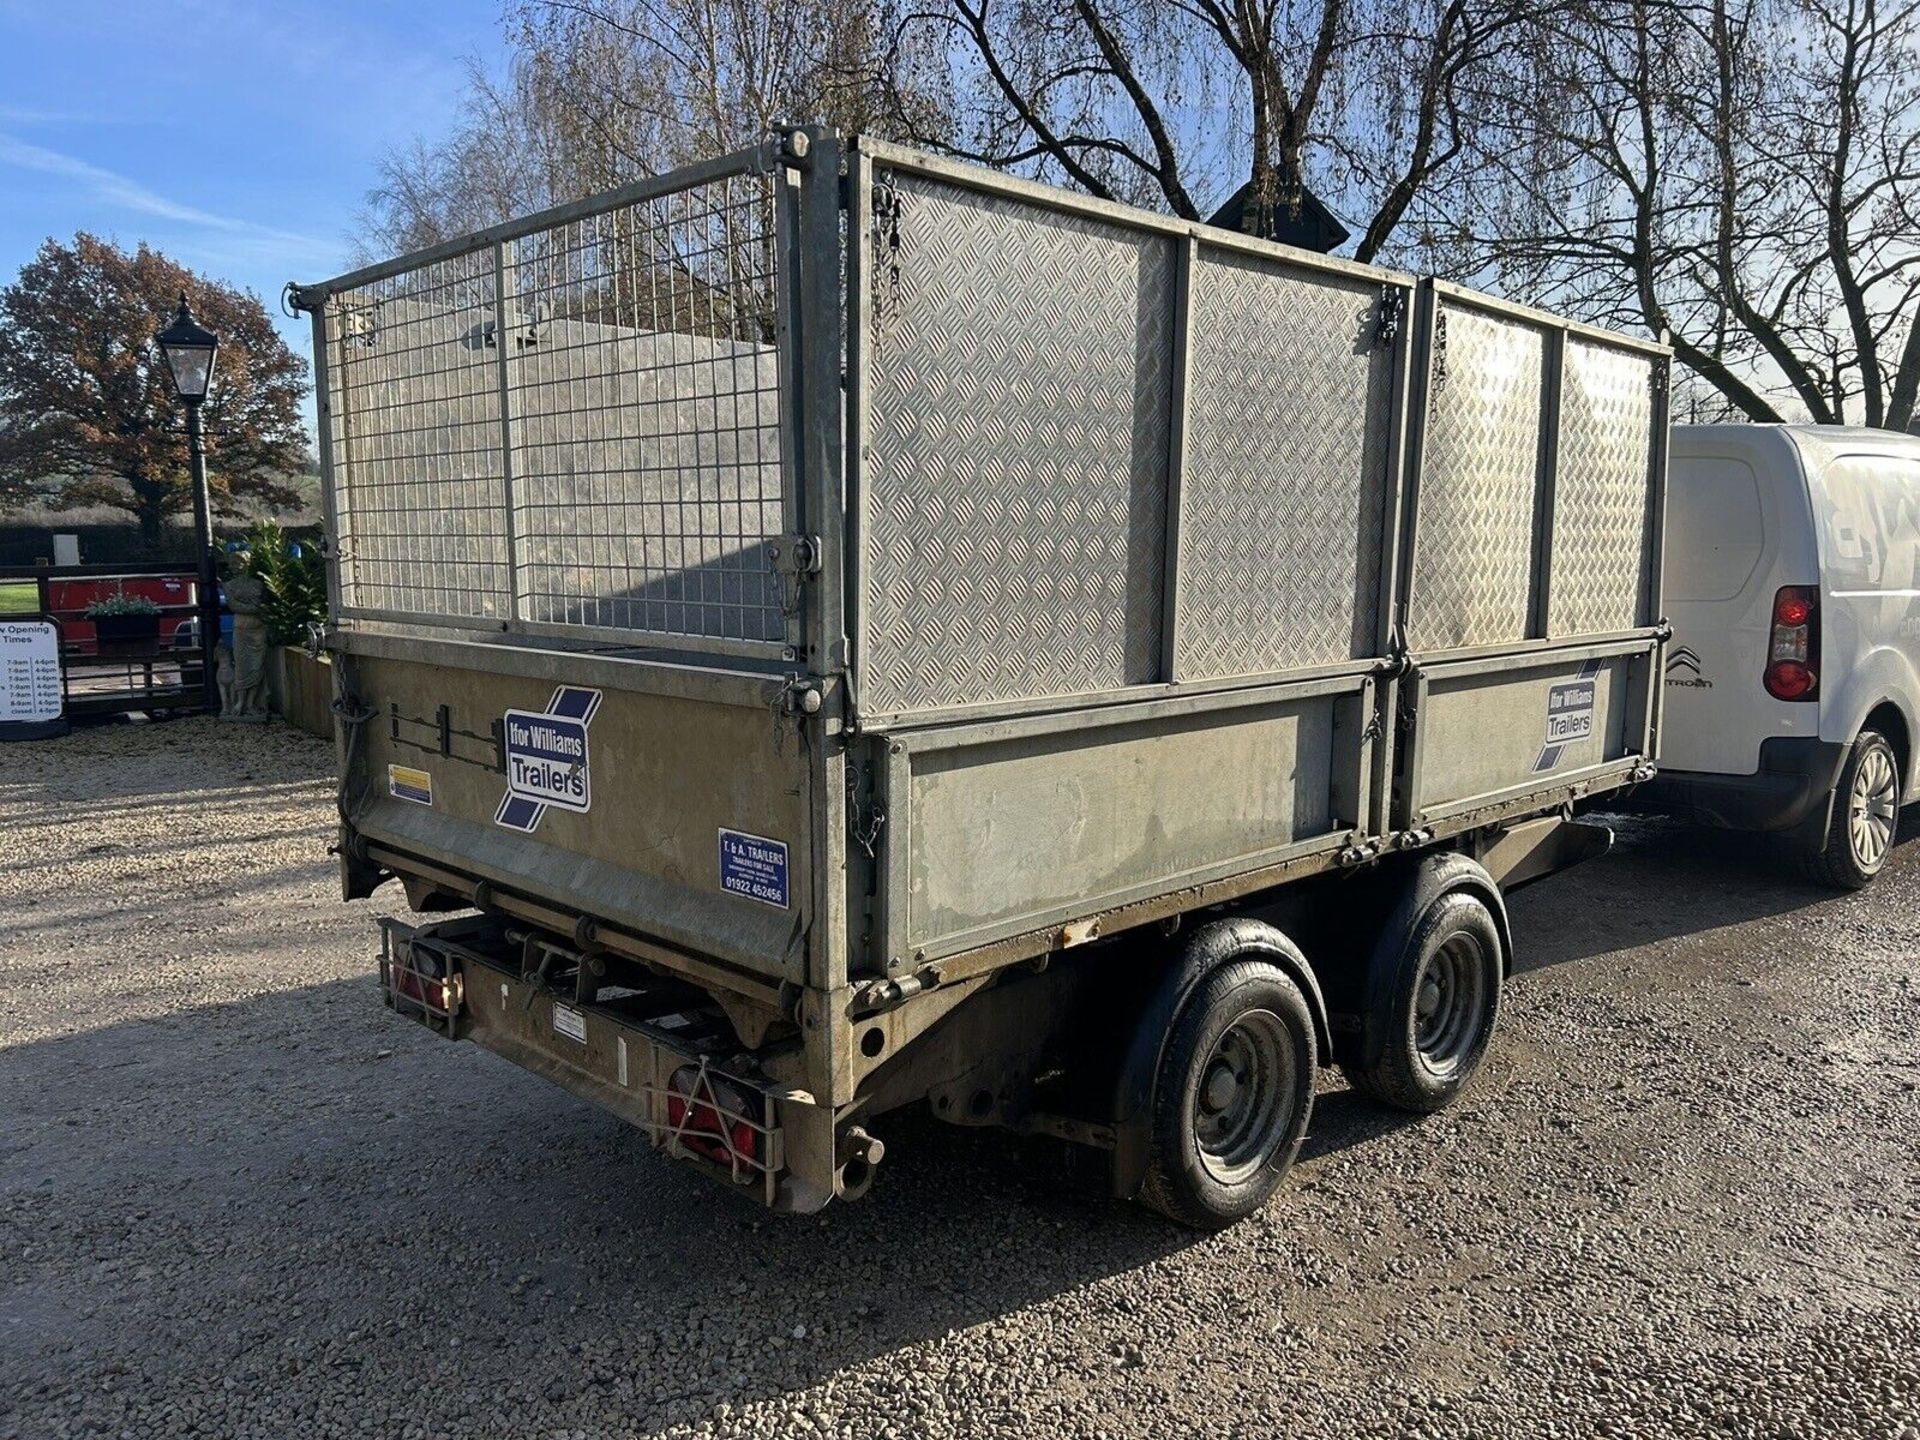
[335, 1201]
[1344, 1120]
[1665, 878]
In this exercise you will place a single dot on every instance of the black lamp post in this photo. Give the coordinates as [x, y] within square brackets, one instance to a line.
[188, 349]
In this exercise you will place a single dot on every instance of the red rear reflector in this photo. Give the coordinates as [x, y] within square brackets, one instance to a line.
[708, 1117]
[411, 981]
[1789, 680]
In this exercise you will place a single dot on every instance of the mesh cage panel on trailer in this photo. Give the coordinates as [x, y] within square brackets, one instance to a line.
[575, 428]
[643, 390]
[420, 493]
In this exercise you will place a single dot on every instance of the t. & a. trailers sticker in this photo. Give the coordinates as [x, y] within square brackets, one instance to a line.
[753, 866]
[1569, 715]
[546, 755]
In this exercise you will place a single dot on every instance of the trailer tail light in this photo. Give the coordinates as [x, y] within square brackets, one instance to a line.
[711, 1118]
[1793, 648]
[432, 991]
[420, 981]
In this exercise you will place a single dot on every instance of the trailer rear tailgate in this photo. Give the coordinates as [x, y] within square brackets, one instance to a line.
[668, 811]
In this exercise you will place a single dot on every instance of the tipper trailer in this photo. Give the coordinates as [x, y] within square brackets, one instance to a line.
[848, 629]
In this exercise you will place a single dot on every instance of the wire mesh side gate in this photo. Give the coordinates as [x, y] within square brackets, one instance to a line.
[578, 424]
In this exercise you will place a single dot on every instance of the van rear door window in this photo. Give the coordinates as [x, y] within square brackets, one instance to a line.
[1714, 534]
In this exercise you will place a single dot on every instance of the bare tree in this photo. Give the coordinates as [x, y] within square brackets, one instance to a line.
[601, 92]
[1740, 173]
[1175, 103]
[505, 156]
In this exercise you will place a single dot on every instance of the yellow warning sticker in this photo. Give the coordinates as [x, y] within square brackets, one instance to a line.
[406, 783]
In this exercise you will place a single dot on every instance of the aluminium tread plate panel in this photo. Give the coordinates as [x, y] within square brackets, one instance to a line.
[1289, 424]
[1474, 546]
[1020, 379]
[1601, 512]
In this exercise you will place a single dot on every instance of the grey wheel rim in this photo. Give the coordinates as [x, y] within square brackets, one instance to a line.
[1450, 1005]
[1873, 808]
[1244, 1097]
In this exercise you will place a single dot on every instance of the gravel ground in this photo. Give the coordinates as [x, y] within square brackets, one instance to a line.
[239, 1199]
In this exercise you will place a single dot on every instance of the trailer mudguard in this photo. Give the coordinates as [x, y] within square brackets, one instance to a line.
[1212, 945]
[1361, 1030]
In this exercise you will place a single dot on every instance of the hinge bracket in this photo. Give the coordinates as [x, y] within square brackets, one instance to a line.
[1393, 306]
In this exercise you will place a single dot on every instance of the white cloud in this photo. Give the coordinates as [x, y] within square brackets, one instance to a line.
[27, 115]
[116, 189]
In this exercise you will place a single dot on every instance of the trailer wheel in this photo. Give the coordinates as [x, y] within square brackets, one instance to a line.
[1232, 1096]
[1438, 999]
[1866, 814]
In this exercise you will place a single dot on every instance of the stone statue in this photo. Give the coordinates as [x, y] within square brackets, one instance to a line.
[223, 678]
[246, 697]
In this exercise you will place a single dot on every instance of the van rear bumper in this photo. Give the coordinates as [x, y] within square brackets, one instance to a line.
[1792, 788]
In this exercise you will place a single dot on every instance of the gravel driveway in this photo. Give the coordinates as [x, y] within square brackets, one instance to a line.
[239, 1199]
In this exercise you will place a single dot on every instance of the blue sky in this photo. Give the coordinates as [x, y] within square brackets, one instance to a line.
[239, 136]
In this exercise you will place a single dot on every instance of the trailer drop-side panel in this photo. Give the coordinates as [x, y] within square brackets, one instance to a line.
[1000, 828]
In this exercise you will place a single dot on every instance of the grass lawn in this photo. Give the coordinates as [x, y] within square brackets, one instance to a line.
[19, 597]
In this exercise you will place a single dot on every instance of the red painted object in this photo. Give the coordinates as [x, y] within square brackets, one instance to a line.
[68, 599]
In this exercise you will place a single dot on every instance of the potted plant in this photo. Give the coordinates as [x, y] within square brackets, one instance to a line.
[125, 624]
[293, 599]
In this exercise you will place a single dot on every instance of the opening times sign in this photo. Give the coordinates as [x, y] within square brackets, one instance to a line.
[29, 672]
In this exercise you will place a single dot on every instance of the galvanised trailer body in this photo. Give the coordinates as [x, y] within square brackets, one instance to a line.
[794, 600]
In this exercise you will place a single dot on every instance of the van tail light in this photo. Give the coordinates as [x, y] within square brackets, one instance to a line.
[708, 1116]
[1793, 648]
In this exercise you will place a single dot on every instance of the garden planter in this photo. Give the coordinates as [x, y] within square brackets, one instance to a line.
[302, 690]
[127, 634]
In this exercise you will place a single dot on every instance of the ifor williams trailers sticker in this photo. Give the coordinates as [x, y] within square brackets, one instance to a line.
[1570, 708]
[547, 759]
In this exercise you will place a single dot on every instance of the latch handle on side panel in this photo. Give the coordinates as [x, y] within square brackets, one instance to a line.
[793, 558]
[801, 696]
[1392, 310]
[795, 554]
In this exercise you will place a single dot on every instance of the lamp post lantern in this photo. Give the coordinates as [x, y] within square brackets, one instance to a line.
[188, 349]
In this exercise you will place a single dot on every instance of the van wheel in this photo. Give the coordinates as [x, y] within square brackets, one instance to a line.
[1232, 1096]
[1439, 995]
[1866, 813]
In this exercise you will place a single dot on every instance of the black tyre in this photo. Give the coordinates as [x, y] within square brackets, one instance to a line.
[1438, 996]
[1866, 814]
[1232, 1096]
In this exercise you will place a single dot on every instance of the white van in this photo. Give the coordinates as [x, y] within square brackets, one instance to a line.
[1793, 676]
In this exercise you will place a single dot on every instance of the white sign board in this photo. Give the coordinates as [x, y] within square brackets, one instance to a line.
[29, 672]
